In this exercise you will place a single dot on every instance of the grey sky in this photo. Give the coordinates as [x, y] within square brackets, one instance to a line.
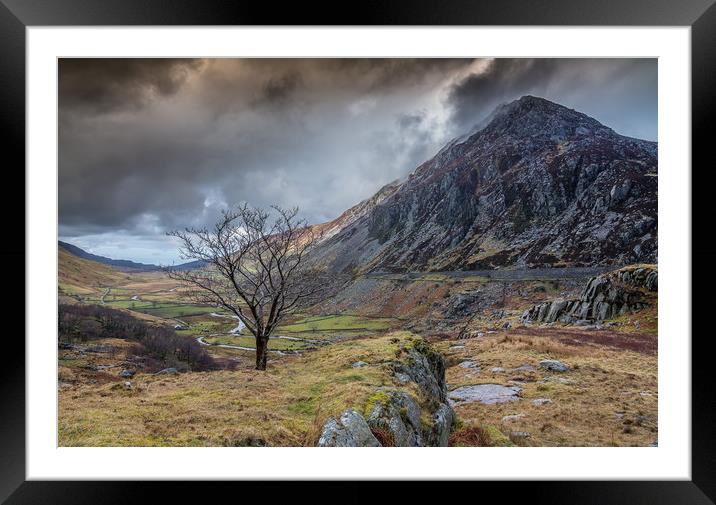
[151, 145]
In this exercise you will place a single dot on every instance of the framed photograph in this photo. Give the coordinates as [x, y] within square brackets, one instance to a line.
[423, 243]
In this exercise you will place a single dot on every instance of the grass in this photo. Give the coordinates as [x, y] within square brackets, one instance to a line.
[478, 436]
[603, 382]
[166, 310]
[333, 323]
[171, 311]
[249, 341]
[611, 399]
[80, 276]
[286, 405]
[204, 325]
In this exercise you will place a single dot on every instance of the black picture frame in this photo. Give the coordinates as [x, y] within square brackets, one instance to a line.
[700, 15]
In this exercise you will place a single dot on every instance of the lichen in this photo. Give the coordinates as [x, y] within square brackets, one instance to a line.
[378, 397]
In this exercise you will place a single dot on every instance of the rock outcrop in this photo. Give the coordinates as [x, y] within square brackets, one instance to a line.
[402, 418]
[604, 297]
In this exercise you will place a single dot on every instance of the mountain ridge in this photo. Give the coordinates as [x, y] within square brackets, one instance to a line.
[122, 265]
[536, 184]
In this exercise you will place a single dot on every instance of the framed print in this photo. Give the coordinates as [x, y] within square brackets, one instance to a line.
[418, 244]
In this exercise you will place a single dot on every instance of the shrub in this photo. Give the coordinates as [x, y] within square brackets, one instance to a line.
[91, 322]
[470, 436]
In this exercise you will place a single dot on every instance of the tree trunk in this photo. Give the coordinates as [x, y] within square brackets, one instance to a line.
[261, 352]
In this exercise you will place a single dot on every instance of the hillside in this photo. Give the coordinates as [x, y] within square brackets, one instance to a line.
[535, 185]
[81, 276]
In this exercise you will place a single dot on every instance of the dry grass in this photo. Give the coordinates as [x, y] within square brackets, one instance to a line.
[470, 436]
[610, 398]
[285, 405]
[84, 277]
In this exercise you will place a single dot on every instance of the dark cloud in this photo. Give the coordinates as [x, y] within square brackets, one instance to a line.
[277, 91]
[106, 84]
[477, 94]
[147, 146]
[621, 93]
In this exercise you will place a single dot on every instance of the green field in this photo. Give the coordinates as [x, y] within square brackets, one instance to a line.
[163, 309]
[333, 323]
[199, 325]
[275, 344]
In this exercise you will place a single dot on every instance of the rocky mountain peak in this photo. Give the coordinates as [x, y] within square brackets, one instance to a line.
[536, 184]
[533, 117]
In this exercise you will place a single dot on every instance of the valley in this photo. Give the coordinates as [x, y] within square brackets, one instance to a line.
[505, 293]
[608, 397]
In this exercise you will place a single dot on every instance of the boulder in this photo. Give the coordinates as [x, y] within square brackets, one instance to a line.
[553, 365]
[469, 364]
[168, 371]
[351, 430]
[127, 373]
[359, 364]
[484, 393]
[538, 402]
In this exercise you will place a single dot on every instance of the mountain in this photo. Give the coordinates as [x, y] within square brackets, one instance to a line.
[534, 185]
[119, 264]
[123, 265]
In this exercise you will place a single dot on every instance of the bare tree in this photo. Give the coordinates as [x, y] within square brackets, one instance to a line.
[256, 268]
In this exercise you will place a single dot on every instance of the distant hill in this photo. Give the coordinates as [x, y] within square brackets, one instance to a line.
[119, 264]
[123, 265]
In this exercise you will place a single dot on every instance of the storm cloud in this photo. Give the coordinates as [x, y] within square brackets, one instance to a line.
[621, 93]
[152, 145]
